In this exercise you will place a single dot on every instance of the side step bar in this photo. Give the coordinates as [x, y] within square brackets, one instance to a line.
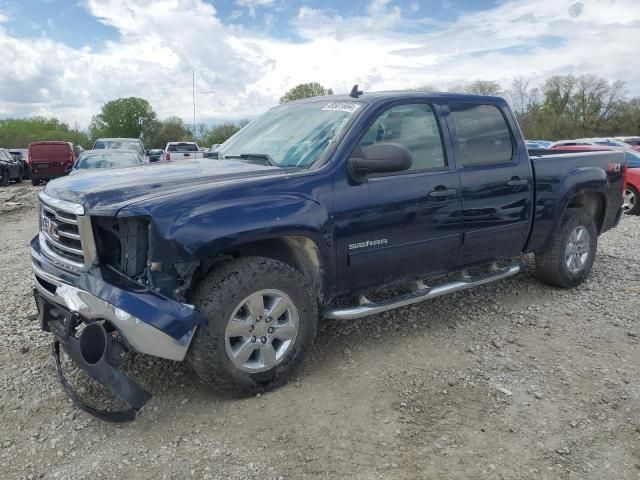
[425, 293]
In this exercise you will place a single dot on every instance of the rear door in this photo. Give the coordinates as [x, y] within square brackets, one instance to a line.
[496, 181]
[61, 159]
[40, 158]
[410, 227]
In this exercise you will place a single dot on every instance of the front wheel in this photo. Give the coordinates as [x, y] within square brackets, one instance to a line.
[631, 205]
[262, 320]
[4, 178]
[570, 257]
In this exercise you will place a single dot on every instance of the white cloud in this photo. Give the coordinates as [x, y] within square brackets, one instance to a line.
[240, 73]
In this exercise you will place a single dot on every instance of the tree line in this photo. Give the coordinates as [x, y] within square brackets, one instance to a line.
[564, 106]
[123, 117]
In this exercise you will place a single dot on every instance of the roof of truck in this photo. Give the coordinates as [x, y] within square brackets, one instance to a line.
[369, 97]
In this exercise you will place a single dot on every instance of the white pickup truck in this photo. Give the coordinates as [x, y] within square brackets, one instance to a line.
[182, 151]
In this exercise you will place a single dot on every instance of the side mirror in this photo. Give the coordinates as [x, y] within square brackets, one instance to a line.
[379, 158]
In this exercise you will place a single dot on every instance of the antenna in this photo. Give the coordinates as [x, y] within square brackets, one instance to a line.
[355, 93]
[193, 85]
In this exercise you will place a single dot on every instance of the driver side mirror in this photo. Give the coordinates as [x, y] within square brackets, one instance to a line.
[379, 158]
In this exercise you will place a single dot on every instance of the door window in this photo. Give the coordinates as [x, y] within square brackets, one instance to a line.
[413, 126]
[483, 137]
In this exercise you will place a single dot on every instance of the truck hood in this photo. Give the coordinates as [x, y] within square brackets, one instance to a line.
[106, 191]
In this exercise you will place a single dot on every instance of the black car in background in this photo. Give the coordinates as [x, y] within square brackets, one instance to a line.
[10, 168]
[156, 155]
[22, 156]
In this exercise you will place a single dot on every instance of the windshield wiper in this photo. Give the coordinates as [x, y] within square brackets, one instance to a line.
[262, 158]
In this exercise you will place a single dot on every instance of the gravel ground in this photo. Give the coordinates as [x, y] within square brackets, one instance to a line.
[510, 380]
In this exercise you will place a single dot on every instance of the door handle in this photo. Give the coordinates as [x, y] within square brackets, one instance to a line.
[442, 192]
[518, 182]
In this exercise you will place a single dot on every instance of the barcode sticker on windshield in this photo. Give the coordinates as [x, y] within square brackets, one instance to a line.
[348, 107]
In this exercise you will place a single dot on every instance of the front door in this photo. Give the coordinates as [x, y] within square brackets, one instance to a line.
[409, 226]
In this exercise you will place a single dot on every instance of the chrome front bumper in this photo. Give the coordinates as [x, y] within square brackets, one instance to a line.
[140, 336]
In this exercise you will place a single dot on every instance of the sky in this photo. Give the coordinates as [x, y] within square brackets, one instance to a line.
[65, 58]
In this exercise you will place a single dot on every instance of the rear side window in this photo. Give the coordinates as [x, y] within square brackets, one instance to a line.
[413, 126]
[483, 135]
[183, 147]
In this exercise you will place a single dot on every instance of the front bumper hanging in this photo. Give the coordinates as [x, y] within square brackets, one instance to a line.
[95, 350]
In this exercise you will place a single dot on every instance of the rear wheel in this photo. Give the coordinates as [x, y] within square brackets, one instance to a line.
[262, 320]
[631, 204]
[570, 257]
[4, 178]
[35, 182]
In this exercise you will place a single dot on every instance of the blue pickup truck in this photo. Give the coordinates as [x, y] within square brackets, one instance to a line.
[230, 262]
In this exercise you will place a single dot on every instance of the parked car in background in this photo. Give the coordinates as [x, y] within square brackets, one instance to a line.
[531, 144]
[611, 142]
[120, 144]
[631, 203]
[22, 155]
[182, 151]
[92, 159]
[10, 168]
[156, 155]
[50, 159]
[538, 143]
[213, 151]
[634, 142]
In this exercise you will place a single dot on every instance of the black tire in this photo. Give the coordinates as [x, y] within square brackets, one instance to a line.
[551, 266]
[19, 179]
[4, 179]
[35, 182]
[219, 294]
[635, 209]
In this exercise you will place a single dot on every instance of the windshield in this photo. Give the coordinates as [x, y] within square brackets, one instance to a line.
[119, 145]
[183, 147]
[291, 135]
[106, 160]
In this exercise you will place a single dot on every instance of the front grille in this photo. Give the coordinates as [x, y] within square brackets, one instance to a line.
[61, 233]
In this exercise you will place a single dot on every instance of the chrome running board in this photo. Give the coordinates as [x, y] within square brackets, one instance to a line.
[421, 294]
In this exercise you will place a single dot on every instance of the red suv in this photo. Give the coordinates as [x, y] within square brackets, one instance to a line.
[49, 160]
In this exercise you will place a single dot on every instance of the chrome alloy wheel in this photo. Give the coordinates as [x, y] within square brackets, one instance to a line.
[628, 200]
[261, 331]
[576, 252]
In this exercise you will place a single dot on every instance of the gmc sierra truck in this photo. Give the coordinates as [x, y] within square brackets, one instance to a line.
[230, 262]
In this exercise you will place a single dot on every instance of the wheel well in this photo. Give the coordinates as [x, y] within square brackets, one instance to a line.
[299, 252]
[592, 202]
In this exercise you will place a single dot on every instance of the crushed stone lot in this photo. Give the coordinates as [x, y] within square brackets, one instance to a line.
[510, 380]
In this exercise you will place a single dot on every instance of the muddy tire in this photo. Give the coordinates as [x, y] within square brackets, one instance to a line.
[570, 257]
[262, 321]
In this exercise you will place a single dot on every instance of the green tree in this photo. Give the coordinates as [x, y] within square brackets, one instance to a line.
[19, 132]
[171, 129]
[305, 90]
[125, 117]
[220, 134]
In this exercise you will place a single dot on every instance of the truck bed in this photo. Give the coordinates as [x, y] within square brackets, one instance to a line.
[559, 176]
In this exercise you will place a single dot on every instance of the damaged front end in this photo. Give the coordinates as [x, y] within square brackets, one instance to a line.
[100, 294]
